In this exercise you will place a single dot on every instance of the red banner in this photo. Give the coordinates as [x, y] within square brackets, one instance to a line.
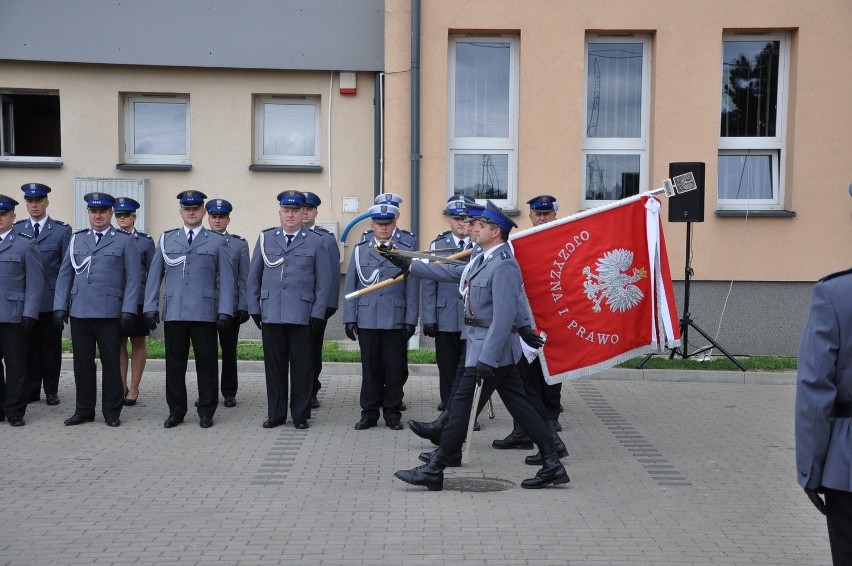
[599, 286]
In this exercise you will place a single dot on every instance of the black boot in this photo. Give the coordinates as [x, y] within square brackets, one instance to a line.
[453, 460]
[430, 431]
[552, 471]
[430, 475]
[561, 451]
[517, 439]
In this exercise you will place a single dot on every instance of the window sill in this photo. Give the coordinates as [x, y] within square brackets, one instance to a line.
[152, 167]
[755, 213]
[287, 168]
[32, 164]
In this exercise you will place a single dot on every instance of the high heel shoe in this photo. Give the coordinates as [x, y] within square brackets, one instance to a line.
[130, 402]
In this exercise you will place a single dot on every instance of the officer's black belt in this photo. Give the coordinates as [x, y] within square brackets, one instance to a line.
[841, 410]
[483, 323]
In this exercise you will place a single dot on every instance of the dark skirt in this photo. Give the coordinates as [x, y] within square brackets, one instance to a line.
[139, 327]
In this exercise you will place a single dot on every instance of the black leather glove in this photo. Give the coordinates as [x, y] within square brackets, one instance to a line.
[242, 317]
[483, 372]
[126, 321]
[256, 319]
[59, 319]
[430, 330]
[314, 324]
[401, 261]
[532, 339]
[408, 331]
[224, 321]
[27, 324]
[351, 330]
[329, 312]
[152, 319]
[813, 495]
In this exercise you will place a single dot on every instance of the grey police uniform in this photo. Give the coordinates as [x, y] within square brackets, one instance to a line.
[824, 407]
[332, 301]
[238, 250]
[100, 281]
[199, 286]
[44, 348]
[145, 245]
[288, 285]
[380, 317]
[402, 239]
[22, 282]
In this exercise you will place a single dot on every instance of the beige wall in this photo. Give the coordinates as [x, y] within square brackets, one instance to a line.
[685, 100]
[221, 103]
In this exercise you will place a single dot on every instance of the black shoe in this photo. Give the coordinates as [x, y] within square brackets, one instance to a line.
[314, 402]
[300, 424]
[442, 406]
[394, 425]
[129, 402]
[402, 406]
[562, 452]
[454, 460]
[172, 421]
[430, 475]
[476, 427]
[16, 421]
[77, 418]
[364, 424]
[272, 423]
[205, 422]
[552, 473]
[430, 431]
[52, 399]
[113, 421]
[517, 439]
[230, 402]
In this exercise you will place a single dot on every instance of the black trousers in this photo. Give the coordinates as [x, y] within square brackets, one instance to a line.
[507, 383]
[287, 350]
[228, 342]
[384, 369]
[448, 350]
[14, 390]
[44, 356]
[838, 507]
[317, 338]
[86, 335]
[178, 336]
[537, 387]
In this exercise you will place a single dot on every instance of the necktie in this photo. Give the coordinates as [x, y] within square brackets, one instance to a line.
[289, 239]
[36, 229]
[98, 238]
[462, 244]
[190, 237]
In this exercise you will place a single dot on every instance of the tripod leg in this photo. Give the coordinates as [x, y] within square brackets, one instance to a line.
[716, 345]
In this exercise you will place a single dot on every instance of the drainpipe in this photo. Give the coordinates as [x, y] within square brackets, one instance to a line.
[378, 133]
[415, 116]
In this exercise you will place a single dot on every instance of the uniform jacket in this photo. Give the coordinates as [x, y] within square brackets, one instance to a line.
[145, 245]
[295, 289]
[333, 270]
[21, 277]
[107, 278]
[238, 250]
[52, 246]
[199, 278]
[823, 445]
[441, 300]
[401, 238]
[386, 309]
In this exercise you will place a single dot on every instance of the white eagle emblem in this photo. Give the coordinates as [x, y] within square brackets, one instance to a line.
[613, 283]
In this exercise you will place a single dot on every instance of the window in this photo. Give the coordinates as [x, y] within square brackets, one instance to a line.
[156, 130]
[287, 131]
[29, 128]
[483, 118]
[752, 124]
[615, 144]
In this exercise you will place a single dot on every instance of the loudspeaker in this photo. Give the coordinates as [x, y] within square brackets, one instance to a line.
[688, 207]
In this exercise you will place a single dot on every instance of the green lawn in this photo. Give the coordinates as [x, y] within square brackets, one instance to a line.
[332, 352]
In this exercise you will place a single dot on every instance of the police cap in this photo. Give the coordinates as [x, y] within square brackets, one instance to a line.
[126, 204]
[191, 198]
[493, 214]
[312, 199]
[384, 213]
[218, 206]
[99, 200]
[543, 203]
[7, 203]
[291, 199]
[389, 198]
[35, 190]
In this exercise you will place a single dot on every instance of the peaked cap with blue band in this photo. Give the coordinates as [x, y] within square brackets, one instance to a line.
[312, 199]
[99, 200]
[493, 214]
[126, 204]
[218, 206]
[35, 190]
[291, 199]
[7, 203]
[384, 213]
[543, 203]
[191, 198]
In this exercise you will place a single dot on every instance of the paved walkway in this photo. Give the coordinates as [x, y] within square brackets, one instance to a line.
[664, 470]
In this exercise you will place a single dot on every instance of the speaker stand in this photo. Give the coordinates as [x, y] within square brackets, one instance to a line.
[686, 321]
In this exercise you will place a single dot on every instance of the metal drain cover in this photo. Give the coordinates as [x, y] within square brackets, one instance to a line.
[477, 485]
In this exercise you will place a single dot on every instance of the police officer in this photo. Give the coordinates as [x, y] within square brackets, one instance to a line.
[101, 277]
[441, 309]
[381, 321]
[22, 281]
[288, 297]
[824, 410]
[312, 202]
[219, 218]
[125, 216]
[198, 299]
[401, 238]
[491, 286]
[44, 350]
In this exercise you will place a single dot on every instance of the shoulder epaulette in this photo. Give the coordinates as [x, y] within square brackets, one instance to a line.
[217, 233]
[19, 221]
[238, 237]
[368, 232]
[406, 244]
[81, 230]
[170, 231]
[270, 229]
[838, 274]
[405, 231]
[443, 234]
[61, 223]
[321, 229]
[122, 231]
[505, 255]
[144, 235]
[25, 235]
[362, 242]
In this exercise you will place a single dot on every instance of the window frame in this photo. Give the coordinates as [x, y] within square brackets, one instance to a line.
[617, 146]
[775, 146]
[259, 158]
[132, 158]
[466, 145]
[13, 160]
